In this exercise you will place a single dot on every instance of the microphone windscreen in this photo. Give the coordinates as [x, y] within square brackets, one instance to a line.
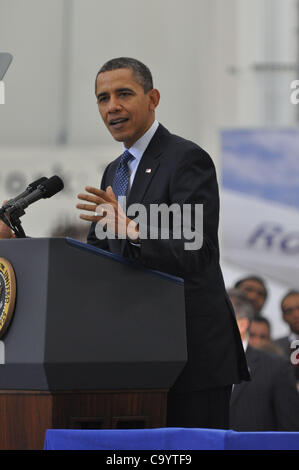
[52, 186]
[36, 183]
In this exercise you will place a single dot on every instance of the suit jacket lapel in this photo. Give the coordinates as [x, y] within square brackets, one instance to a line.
[149, 161]
[252, 360]
[142, 178]
[111, 173]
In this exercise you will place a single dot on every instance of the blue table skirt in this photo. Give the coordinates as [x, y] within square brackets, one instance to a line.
[168, 439]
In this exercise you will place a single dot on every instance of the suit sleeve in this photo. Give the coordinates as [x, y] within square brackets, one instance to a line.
[192, 183]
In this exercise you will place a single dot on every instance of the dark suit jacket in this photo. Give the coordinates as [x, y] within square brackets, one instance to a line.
[270, 401]
[183, 173]
[285, 345]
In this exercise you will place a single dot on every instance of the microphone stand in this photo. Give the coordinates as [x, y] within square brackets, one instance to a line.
[14, 222]
[11, 212]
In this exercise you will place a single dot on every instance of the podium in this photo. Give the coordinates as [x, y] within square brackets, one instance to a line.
[95, 342]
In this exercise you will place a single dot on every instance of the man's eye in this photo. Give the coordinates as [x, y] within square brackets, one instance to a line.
[102, 99]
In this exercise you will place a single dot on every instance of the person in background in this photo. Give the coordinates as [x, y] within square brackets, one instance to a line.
[270, 401]
[290, 343]
[255, 289]
[260, 336]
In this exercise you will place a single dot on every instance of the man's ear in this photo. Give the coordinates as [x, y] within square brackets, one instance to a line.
[154, 96]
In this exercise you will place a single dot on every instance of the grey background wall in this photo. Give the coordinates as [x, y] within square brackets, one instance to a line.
[209, 59]
[217, 64]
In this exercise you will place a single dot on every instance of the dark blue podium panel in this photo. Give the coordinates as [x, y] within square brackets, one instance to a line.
[85, 319]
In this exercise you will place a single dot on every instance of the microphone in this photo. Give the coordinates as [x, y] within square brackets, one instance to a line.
[46, 189]
[31, 187]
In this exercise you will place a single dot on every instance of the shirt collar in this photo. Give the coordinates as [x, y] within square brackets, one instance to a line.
[245, 343]
[138, 149]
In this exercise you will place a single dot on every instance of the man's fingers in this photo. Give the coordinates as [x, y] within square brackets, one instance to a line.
[90, 218]
[95, 199]
[86, 197]
[98, 192]
[110, 192]
[87, 207]
[107, 196]
[99, 201]
[97, 196]
[98, 212]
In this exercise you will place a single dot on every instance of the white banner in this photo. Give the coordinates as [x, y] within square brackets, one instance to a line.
[261, 236]
[260, 202]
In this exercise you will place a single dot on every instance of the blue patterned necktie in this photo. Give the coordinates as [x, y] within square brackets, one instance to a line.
[122, 175]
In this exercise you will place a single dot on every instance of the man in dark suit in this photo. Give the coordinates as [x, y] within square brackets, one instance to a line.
[166, 169]
[255, 289]
[290, 343]
[270, 401]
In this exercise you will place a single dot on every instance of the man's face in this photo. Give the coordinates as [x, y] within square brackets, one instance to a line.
[255, 293]
[259, 334]
[127, 111]
[290, 308]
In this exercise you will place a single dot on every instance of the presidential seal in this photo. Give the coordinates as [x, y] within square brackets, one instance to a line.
[7, 294]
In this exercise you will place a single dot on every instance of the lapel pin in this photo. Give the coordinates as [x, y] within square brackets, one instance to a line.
[148, 170]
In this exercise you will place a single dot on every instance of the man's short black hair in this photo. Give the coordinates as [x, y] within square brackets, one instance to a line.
[141, 72]
[262, 320]
[288, 294]
[253, 278]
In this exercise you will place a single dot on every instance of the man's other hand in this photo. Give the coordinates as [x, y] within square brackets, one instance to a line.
[107, 211]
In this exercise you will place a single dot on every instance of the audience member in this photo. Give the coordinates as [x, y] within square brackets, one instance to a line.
[259, 332]
[270, 401]
[255, 289]
[260, 336]
[290, 343]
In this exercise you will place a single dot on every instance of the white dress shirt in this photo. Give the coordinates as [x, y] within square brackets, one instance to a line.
[138, 149]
